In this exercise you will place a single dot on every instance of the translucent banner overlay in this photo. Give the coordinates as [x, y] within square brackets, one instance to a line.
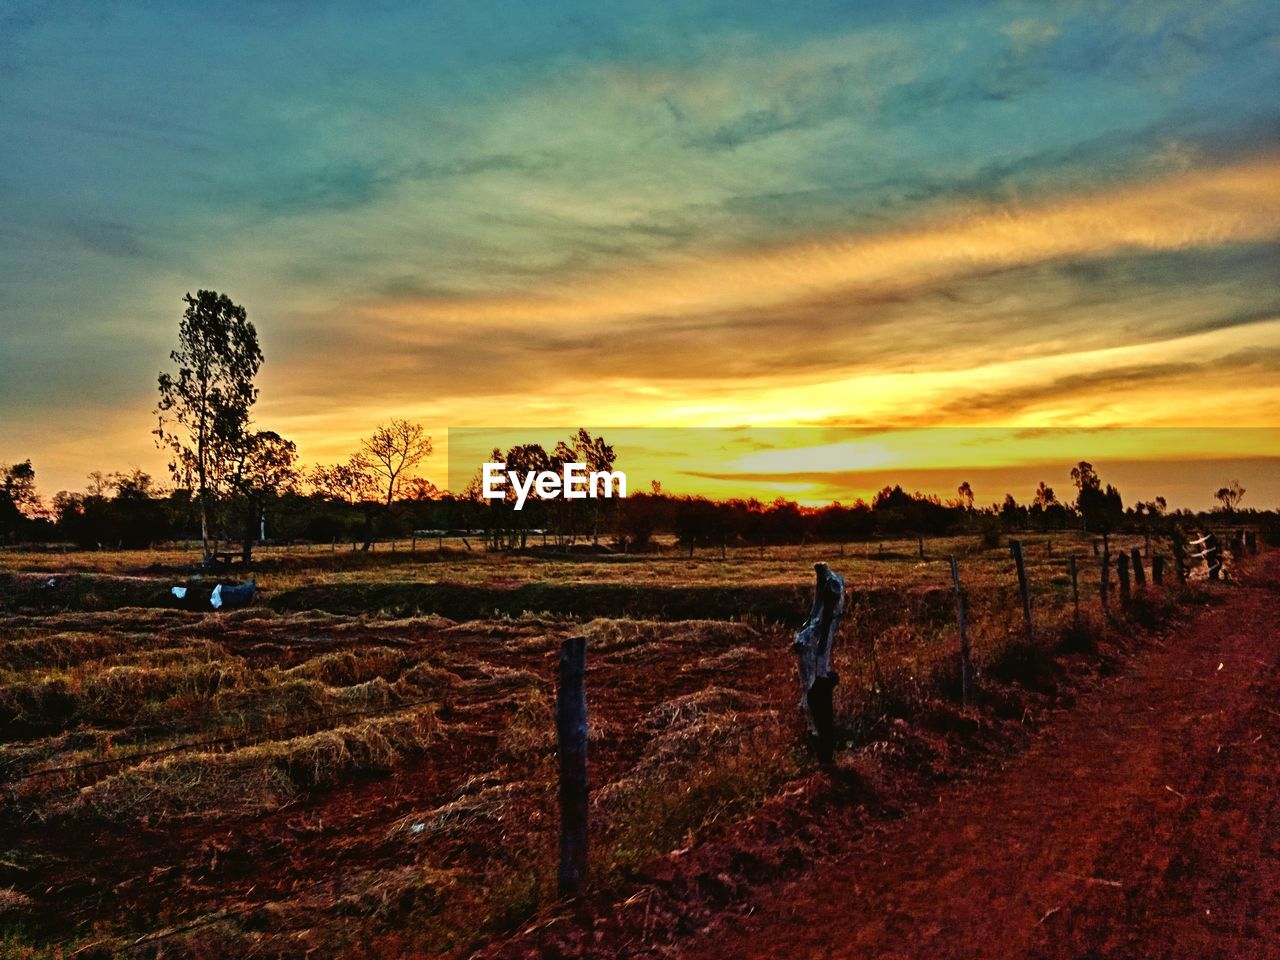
[819, 465]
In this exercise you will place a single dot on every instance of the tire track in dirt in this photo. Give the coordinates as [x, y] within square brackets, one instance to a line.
[1145, 822]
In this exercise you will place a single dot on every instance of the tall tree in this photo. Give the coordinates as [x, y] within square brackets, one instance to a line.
[204, 408]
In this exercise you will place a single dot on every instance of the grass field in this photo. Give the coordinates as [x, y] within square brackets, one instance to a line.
[362, 763]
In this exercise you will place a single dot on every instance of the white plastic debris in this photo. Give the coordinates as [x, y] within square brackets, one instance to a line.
[179, 592]
[216, 599]
[417, 827]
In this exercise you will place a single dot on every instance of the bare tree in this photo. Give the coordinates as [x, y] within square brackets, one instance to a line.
[393, 451]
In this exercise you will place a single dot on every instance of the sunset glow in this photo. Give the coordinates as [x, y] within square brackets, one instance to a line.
[950, 216]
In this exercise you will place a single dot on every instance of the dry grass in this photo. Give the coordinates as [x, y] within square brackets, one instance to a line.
[252, 779]
[712, 755]
[696, 721]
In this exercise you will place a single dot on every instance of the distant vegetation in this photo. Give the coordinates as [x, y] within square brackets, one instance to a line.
[236, 484]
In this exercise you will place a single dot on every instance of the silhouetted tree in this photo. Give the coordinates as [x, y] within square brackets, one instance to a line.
[204, 409]
[18, 498]
[1230, 496]
[1102, 510]
[265, 471]
[392, 451]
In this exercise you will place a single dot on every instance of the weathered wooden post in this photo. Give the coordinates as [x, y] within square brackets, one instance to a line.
[1095, 547]
[1016, 547]
[812, 647]
[1139, 575]
[966, 663]
[1212, 555]
[1122, 568]
[1157, 569]
[1237, 545]
[1104, 584]
[1075, 590]
[571, 737]
[413, 542]
[1179, 558]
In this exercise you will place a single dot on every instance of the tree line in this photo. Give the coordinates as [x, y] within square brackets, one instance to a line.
[235, 484]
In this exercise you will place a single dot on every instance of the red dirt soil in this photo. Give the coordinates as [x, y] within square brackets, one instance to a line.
[1144, 821]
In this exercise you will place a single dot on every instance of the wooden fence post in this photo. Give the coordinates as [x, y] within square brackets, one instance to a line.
[1104, 583]
[1139, 575]
[1122, 568]
[1213, 555]
[571, 736]
[1179, 559]
[812, 647]
[966, 664]
[1075, 589]
[1023, 589]
[1157, 569]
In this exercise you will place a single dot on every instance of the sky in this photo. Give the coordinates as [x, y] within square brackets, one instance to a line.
[654, 215]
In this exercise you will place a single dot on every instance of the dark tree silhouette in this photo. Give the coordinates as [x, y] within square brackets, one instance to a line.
[1230, 496]
[204, 408]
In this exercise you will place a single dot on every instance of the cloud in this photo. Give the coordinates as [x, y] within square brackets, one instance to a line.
[1239, 203]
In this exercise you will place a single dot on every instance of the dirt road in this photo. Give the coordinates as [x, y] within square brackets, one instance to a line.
[1145, 823]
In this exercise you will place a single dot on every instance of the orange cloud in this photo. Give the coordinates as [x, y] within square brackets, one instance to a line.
[1238, 203]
